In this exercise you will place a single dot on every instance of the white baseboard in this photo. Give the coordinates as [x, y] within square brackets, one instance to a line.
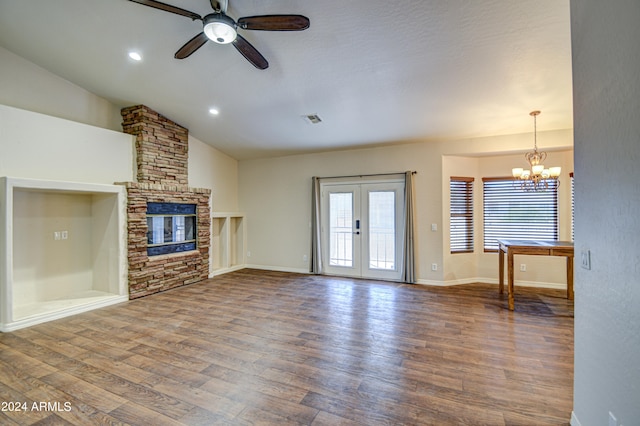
[437, 283]
[574, 420]
[448, 283]
[62, 313]
[226, 270]
[518, 283]
[279, 269]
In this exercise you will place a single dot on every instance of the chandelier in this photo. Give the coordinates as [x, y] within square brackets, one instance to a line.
[537, 177]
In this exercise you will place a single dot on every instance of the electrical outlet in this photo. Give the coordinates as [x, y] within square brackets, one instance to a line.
[523, 267]
[434, 227]
[305, 258]
[434, 266]
[248, 254]
[64, 235]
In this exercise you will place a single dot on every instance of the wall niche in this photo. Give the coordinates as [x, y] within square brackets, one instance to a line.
[63, 249]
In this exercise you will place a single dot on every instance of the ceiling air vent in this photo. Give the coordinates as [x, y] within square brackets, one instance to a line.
[312, 118]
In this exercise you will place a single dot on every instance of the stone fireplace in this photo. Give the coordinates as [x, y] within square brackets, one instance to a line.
[162, 171]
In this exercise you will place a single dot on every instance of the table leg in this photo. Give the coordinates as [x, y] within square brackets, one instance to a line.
[511, 278]
[501, 270]
[570, 277]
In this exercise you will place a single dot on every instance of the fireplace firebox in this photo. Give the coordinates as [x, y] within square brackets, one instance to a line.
[171, 228]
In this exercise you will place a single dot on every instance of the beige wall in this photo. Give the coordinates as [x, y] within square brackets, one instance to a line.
[45, 269]
[275, 194]
[210, 168]
[468, 267]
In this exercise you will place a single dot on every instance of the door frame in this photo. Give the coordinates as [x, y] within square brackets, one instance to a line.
[361, 188]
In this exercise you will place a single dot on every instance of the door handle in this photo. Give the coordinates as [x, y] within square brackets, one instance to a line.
[357, 232]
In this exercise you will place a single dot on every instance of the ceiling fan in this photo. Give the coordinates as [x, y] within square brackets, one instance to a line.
[220, 28]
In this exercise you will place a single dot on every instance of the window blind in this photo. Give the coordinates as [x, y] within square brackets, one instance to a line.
[572, 206]
[461, 211]
[513, 213]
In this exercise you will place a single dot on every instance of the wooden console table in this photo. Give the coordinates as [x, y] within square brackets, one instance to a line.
[541, 248]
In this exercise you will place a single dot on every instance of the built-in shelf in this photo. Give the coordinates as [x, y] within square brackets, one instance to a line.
[229, 239]
[62, 249]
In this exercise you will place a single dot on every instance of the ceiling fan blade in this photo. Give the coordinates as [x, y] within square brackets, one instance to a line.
[191, 46]
[250, 53]
[168, 8]
[274, 22]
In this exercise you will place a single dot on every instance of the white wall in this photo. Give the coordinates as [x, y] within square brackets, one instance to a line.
[276, 194]
[27, 86]
[606, 76]
[39, 146]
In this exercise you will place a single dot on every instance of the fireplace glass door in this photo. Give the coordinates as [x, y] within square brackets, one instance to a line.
[171, 228]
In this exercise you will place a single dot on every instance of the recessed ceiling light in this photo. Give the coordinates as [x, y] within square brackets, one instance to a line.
[135, 56]
[213, 111]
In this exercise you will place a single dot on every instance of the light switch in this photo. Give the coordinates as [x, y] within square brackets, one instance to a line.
[585, 259]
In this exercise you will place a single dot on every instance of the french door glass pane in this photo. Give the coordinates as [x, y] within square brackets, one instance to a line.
[340, 229]
[382, 225]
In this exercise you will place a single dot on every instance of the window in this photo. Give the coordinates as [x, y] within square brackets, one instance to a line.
[461, 210]
[513, 213]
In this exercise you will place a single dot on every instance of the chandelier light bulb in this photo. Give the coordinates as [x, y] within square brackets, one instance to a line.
[537, 169]
[555, 171]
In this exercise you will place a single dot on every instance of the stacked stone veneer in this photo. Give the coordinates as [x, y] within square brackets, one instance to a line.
[162, 157]
[162, 146]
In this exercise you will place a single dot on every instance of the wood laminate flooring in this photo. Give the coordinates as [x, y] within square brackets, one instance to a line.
[261, 347]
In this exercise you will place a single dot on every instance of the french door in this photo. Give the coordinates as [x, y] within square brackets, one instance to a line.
[362, 226]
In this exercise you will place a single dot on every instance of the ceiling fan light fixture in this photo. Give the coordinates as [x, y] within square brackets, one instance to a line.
[220, 28]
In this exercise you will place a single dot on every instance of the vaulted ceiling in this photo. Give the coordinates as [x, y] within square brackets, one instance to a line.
[375, 72]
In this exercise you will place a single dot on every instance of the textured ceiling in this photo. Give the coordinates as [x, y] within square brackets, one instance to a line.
[376, 72]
